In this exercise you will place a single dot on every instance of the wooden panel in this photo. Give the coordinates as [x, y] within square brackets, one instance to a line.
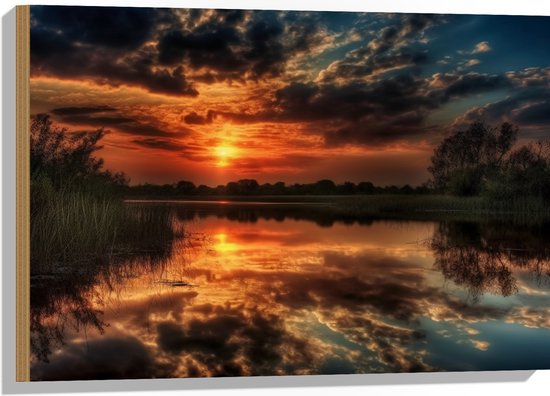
[23, 261]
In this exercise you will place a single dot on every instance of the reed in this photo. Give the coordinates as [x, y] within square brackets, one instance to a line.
[72, 228]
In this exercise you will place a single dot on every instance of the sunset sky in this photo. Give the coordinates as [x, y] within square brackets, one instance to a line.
[213, 96]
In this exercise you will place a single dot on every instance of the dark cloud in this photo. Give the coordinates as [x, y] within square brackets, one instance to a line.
[375, 113]
[526, 105]
[102, 121]
[186, 150]
[295, 161]
[209, 45]
[137, 128]
[534, 114]
[156, 50]
[390, 343]
[303, 32]
[349, 102]
[230, 50]
[94, 43]
[457, 86]
[395, 47]
[161, 144]
[380, 130]
[531, 77]
[117, 27]
[380, 112]
[194, 118]
[71, 111]
[376, 93]
[108, 117]
[267, 54]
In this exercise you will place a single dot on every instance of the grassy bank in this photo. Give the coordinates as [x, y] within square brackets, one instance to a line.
[441, 207]
[72, 229]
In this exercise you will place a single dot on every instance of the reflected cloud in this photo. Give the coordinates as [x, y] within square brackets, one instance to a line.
[234, 341]
[284, 296]
[105, 358]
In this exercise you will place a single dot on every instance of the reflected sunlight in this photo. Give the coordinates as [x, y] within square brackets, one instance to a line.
[222, 245]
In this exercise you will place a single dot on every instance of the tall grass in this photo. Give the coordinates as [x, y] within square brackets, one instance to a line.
[72, 229]
[79, 238]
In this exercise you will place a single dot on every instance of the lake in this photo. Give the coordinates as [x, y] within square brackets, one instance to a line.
[252, 288]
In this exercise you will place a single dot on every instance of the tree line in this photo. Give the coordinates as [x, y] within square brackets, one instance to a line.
[251, 187]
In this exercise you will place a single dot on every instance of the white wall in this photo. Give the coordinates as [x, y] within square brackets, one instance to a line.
[416, 384]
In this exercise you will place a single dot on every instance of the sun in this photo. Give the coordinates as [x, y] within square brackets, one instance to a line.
[224, 154]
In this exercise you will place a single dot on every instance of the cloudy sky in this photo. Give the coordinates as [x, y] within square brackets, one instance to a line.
[218, 95]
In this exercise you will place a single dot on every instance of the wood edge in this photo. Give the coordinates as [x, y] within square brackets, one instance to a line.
[22, 348]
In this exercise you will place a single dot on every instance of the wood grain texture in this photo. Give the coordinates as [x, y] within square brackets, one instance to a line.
[23, 186]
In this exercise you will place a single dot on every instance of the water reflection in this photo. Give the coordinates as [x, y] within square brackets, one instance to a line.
[482, 257]
[67, 300]
[268, 290]
[252, 212]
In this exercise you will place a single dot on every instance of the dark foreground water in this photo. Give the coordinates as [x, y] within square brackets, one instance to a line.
[272, 290]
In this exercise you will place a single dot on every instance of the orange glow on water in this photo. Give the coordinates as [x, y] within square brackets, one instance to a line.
[222, 245]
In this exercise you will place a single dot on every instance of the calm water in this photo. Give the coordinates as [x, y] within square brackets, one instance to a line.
[269, 289]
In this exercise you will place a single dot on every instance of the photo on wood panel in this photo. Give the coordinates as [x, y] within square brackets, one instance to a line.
[219, 193]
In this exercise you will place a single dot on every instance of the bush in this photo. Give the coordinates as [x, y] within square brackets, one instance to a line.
[465, 182]
[67, 159]
[525, 173]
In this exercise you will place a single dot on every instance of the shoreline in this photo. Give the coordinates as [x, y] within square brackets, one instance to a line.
[405, 207]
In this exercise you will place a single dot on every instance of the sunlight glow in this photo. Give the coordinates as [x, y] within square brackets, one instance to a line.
[222, 245]
[224, 154]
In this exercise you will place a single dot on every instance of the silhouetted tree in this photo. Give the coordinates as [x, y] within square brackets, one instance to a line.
[204, 190]
[324, 187]
[185, 187]
[220, 190]
[366, 188]
[232, 188]
[279, 188]
[248, 186]
[348, 188]
[462, 160]
[66, 159]
[252, 187]
[406, 189]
